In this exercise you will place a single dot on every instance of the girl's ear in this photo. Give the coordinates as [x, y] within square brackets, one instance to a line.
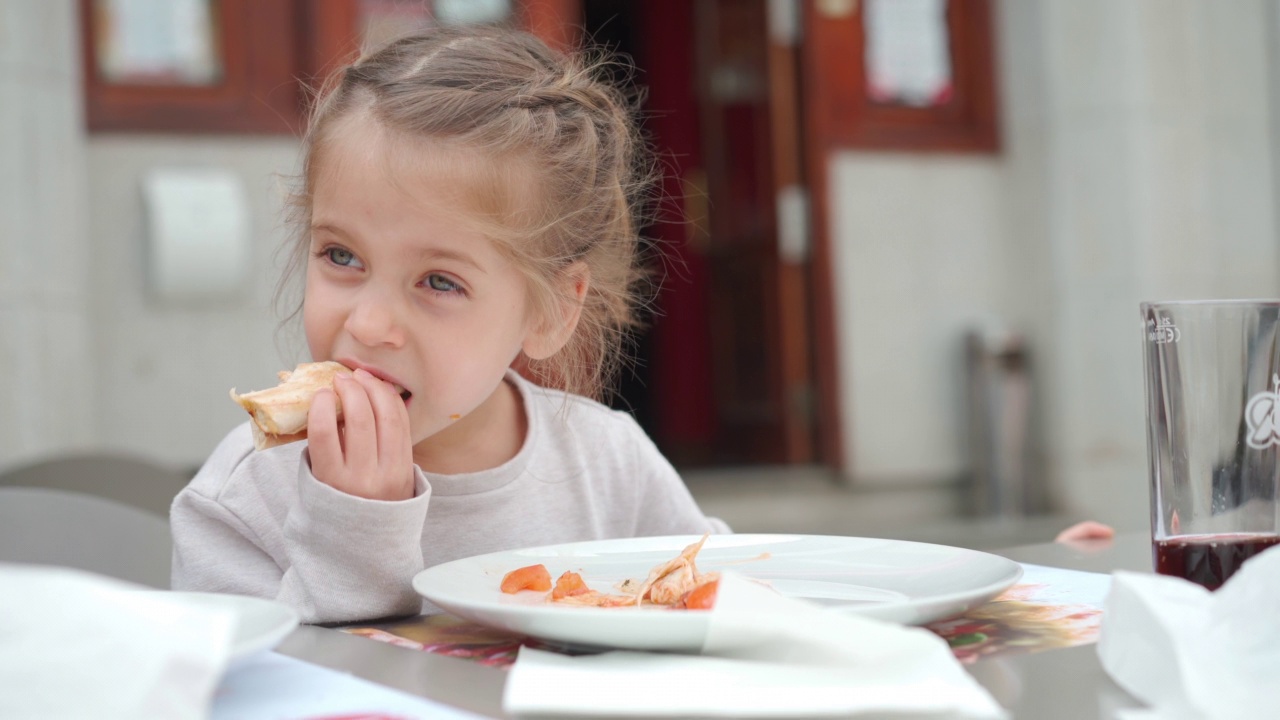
[552, 333]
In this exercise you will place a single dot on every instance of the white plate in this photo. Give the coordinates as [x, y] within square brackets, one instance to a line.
[262, 623]
[905, 582]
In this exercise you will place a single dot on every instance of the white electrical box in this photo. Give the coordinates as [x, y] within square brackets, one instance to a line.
[198, 229]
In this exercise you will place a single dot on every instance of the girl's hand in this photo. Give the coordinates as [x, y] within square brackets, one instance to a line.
[371, 455]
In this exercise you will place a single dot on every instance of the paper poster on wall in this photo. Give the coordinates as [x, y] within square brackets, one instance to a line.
[908, 56]
[150, 42]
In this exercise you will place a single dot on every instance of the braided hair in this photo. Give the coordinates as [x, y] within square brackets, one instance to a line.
[506, 102]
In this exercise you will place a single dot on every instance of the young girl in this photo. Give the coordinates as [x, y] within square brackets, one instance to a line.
[467, 202]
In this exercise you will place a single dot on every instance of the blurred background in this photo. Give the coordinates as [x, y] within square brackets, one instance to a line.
[904, 241]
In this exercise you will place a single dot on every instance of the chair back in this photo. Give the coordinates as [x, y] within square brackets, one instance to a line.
[57, 527]
[134, 481]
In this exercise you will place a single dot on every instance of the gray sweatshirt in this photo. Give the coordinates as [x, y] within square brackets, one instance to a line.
[259, 523]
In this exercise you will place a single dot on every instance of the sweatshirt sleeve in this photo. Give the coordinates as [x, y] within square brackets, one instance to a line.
[663, 503]
[336, 558]
[351, 558]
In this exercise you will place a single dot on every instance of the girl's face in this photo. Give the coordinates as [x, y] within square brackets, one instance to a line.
[398, 285]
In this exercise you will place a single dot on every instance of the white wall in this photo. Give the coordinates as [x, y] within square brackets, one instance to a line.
[1137, 165]
[46, 358]
[918, 254]
[164, 369]
[1160, 186]
[86, 361]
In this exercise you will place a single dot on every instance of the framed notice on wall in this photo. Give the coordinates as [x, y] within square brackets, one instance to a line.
[190, 65]
[151, 42]
[904, 74]
[245, 66]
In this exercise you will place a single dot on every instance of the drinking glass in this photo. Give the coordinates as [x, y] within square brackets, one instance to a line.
[1213, 433]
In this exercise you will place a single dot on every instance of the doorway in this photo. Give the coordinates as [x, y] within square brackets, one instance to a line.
[724, 371]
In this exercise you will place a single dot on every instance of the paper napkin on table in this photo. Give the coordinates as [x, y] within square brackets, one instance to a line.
[76, 644]
[1191, 653]
[765, 655]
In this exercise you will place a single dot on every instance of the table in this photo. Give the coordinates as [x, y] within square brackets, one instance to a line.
[1067, 684]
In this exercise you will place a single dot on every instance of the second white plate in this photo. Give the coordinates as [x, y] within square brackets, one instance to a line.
[894, 580]
[261, 624]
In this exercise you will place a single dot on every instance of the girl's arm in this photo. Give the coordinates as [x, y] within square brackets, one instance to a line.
[212, 551]
[663, 503]
[331, 556]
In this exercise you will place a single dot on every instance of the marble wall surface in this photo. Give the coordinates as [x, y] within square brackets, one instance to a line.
[47, 399]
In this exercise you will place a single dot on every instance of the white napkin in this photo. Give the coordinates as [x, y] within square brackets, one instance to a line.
[765, 655]
[76, 644]
[1190, 653]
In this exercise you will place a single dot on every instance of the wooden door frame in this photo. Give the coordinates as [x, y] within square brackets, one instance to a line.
[801, 422]
[817, 149]
[822, 329]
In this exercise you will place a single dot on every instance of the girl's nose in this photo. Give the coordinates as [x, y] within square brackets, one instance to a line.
[374, 321]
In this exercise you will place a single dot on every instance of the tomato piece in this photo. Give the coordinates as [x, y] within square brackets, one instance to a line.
[702, 597]
[569, 584]
[532, 577]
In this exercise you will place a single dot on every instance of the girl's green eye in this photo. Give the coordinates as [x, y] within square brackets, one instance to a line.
[440, 283]
[340, 256]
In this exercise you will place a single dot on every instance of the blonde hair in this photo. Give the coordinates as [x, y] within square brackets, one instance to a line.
[503, 96]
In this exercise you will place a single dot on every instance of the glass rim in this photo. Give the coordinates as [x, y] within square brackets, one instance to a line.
[1226, 302]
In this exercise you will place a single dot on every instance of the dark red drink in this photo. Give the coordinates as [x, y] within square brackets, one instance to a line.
[1208, 559]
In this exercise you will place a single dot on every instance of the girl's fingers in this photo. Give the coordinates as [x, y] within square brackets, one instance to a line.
[391, 418]
[322, 434]
[359, 434]
[371, 454]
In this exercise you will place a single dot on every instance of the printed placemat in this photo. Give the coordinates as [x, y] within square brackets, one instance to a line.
[1048, 608]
